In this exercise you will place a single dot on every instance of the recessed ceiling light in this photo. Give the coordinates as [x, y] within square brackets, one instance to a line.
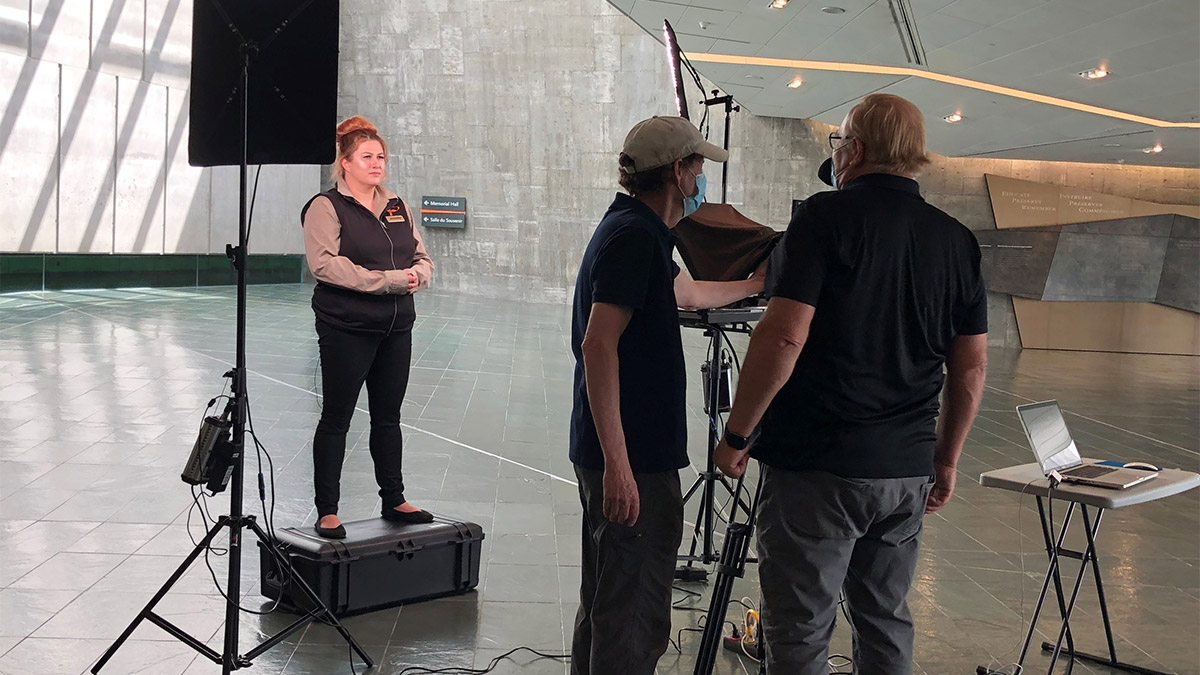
[1154, 149]
[1112, 145]
[953, 117]
[795, 83]
[1094, 73]
[833, 10]
[754, 77]
[778, 4]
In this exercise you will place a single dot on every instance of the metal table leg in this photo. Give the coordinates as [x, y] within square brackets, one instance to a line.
[1089, 556]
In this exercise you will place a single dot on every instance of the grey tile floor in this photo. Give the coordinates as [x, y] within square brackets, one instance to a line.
[101, 393]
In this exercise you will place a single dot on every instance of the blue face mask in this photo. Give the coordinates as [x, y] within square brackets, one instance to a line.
[690, 204]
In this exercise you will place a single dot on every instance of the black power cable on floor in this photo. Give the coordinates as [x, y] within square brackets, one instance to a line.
[462, 670]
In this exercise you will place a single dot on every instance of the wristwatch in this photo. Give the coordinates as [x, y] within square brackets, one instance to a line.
[736, 440]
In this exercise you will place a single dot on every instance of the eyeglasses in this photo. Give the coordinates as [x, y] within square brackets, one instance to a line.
[834, 136]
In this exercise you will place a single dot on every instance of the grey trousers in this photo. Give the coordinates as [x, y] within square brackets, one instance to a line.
[819, 534]
[624, 618]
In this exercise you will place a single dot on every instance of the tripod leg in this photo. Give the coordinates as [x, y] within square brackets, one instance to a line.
[179, 571]
[732, 565]
[320, 609]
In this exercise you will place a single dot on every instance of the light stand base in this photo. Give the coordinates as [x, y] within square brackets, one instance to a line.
[228, 661]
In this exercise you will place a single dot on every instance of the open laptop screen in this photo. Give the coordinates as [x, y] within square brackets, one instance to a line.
[1048, 435]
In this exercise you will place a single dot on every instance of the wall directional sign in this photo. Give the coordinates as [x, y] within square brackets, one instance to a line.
[444, 212]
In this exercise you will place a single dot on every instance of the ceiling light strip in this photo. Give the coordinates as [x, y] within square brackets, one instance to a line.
[872, 69]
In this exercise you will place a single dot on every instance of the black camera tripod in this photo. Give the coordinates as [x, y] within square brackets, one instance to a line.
[730, 567]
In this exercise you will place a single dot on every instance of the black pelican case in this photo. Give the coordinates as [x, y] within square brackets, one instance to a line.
[379, 564]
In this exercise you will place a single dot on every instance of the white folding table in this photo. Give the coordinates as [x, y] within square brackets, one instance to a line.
[1028, 479]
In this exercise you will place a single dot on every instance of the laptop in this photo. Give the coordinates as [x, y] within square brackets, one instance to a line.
[1056, 451]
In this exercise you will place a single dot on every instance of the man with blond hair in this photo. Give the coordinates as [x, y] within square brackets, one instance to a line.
[873, 292]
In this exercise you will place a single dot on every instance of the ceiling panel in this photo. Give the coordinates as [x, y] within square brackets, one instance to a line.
[754, 25]
[986, 45]
[989, 12]
[811, 12]
[694, 43]
[858, 41]
[924, 7]
[735, 47]
[1180, 47]
[1181, 149]
[730, 5]
[1152, 48]
[715, 20]
[649, 13]
[824, 91]
[1147, 23]
[938, 30]
[796, 37]
[1052, 20]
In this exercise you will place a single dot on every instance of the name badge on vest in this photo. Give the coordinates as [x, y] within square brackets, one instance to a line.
[394, 214]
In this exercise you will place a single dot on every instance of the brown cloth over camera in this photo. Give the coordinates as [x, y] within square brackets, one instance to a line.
[719, 244]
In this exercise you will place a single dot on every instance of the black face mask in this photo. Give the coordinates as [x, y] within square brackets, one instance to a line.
[825, 172]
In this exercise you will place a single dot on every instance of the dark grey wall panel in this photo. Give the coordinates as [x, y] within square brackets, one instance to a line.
[1180, 283]
[1102, 267]
[1017, 262]
[1141, 226]
[1186, 227]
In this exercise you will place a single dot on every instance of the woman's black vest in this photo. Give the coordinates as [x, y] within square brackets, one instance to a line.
[375, 244]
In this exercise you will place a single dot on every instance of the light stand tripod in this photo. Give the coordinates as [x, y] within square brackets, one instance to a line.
[730, 108]
[715, 322]
[238, 408]
[731, 566]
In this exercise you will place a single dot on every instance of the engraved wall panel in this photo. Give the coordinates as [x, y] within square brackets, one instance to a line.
[1100, 267]
[1017, 261]
[1180, 283]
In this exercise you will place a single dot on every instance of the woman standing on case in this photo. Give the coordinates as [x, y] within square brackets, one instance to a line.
[364, 250]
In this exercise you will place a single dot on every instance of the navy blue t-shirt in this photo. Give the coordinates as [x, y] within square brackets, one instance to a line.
[628, 262]
[894, 280]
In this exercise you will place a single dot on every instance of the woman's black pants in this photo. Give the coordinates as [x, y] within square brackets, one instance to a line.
[348, 359]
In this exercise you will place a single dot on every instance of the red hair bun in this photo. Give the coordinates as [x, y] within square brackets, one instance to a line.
[356, 123]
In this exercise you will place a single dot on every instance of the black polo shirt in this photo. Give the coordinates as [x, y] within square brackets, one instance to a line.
[628, 262]
[893, 280]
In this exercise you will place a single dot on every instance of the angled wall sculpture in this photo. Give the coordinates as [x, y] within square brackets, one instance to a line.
[1095, 272]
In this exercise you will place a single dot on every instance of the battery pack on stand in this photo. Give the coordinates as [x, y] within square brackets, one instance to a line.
[379, 564]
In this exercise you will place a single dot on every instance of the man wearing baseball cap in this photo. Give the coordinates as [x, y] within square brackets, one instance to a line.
[628, 421]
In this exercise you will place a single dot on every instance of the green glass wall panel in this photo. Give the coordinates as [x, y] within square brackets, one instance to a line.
[32, 272]
[20, 273]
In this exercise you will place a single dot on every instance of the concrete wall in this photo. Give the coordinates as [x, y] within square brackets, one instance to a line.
[521, 107]
[93, 137]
